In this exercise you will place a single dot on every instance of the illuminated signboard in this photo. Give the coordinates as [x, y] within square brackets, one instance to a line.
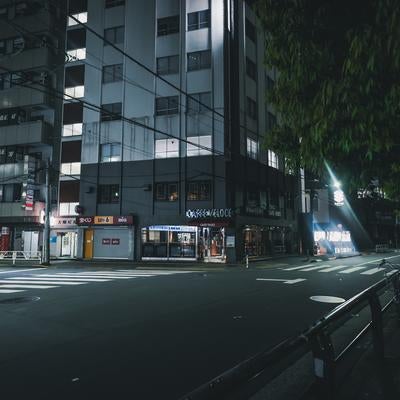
[338, 198]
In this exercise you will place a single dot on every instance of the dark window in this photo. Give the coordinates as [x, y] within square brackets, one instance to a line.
[198, 20]
[73, 113]
[203, 104]
[112, 73]
[76, 39]
[69, 191]
[167, 105]
[77, 6]
[269, 83]
[167, 26]
[108, 194]
[168, 65]
[110, 152]
[114, 3]
[166, 191]
[75, 76]
[5, 81]
[251, 69]
[199, 190]
[199, 60]
[251, 32]
[114, 35]
[251, 108]
[71, 151]
[10, 192]
[270, 121]
[111, 112]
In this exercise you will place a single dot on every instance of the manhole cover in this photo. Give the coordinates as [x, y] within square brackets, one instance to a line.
[327, 299]
[16, 300]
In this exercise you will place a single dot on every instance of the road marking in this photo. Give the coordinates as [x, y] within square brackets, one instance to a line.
[22, 270]
[373, 271]
[334, 268]
[158, 271]
[117, 275]
[327, 299]
[377, 260]
[286, 281]
[33, 281]
[315, 267]
[294, 268]
[72, 278]
[348, 271]
[10, 291]
[27, 286]
[97, 276]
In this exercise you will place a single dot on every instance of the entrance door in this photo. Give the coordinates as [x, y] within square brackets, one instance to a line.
[88, 240]
[213, 242]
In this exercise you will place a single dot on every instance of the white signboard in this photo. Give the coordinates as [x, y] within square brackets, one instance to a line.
[230, 241]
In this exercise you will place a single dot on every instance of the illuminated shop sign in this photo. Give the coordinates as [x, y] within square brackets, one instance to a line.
[172, 228]
[105, 220]
[338, 198]
[209, 213]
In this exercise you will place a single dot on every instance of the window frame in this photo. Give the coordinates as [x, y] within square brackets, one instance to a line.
[167, 193]
[105, 117]
[105, 193]
[114, 74]
[199, 23]
[114, 30]
[197, 193]
[117, 156]
[168, 25]
[203, 62]
[169, 70]
[251, 108]
[172, 107]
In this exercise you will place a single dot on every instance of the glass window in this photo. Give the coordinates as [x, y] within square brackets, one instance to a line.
[112, 73]
[108, 194]
[199, 103]
[251, 69]
[167, 105]
[198, 20]
[114, 3]
[166, 148]
[168, 65]
[115, 35]
[111, 112]
[252, 148]
[198, 146]
[199, 190]
[166, 191]
[167, 26]
[199, 60]
[251, 108]
[273, 159]
[110, 152]
[251, 32]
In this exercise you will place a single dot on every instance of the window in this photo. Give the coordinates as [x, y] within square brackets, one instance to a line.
[73, 113]
[251, 108]
[110, 152]
[166, 148]
[198, 20]
[67, 208]
[251, 69]
[252, 148]
[5, 82]
[199, 60]
[71, 168]
[203, 103]
[108, 194]
[199, 190]
[166, 191]
[167, 105]
[168, 65]
[76, 39]
[112, 73]
[110, 112]
[269, 83]
[251, 32]
[197, 144]
[10, 192]
[72, 130]
[270, 121]
[289, 170]
[114, 35]
[273, 159]
[81, 17]
[114, 3]
[167, 26]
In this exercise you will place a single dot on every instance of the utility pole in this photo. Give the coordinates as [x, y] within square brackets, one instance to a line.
[46, 230]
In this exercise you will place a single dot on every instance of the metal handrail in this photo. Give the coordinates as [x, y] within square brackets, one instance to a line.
[315, 338]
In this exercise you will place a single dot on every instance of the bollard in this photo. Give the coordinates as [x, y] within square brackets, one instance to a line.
[247, 261]
[14, 257]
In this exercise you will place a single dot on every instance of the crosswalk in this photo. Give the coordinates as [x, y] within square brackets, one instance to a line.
[42, 281]
[362, 269]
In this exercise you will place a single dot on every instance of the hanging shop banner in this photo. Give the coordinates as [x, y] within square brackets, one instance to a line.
[29, 170]
[199, 213]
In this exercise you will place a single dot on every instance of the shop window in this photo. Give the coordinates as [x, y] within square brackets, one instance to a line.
[168, 65]
[166, 191]
[110, 152]
[251, 69]
[115, 35]
[167, 105]
[166, 148]
[273, 159]
[110, 112]
[198, 20]
[114, 3]
[108, 194]
[252, 148]
[251, 31]
[199, 146]
[199, 60]
[168, 26]
[199, 191]
[112, 73]
[198, 103]
[251, 108]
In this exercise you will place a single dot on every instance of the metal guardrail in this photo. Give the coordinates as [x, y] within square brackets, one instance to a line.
[235, 383]
[20, 255]
[381, 248]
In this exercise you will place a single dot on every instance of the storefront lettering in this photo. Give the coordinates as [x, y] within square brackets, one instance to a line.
[106, 241]
[115, 241]
[209, 213]
[106, 220]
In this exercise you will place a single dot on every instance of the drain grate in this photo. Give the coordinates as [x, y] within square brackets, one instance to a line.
[16, 300]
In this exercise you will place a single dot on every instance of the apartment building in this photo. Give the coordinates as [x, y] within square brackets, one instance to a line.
[163, 121]
[30, 117]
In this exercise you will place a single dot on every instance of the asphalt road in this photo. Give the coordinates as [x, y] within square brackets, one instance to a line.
[143, 334]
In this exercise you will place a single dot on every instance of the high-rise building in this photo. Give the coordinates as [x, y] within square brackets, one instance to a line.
[31, 66]
[162, 154]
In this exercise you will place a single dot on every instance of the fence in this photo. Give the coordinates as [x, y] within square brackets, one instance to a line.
[314, 348]
[20, 255]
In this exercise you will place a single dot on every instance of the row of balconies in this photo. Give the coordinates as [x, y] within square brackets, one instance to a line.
[26, 133]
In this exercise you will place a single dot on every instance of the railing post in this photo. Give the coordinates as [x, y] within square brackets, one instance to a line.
[324, 365]
[14, 257]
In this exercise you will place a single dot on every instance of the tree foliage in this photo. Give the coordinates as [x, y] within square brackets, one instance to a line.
[337, 94]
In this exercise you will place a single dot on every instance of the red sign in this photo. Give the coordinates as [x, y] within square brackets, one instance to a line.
[115, 241]
[106, 241]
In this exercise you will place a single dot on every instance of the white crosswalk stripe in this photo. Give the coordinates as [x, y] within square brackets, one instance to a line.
[15, 286]
[41, 281]
[373, 271]
[334, 268]
[109, 277]
[296, 268]
[315, 268]
[74, 278]
[10, 291]
[350, 270]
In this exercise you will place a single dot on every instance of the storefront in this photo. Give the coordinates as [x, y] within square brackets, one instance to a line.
[107, 237]
[63, 237]
[265, 240]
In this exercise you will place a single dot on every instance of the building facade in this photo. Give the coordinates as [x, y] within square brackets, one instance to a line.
[163, 124]
[30, 117]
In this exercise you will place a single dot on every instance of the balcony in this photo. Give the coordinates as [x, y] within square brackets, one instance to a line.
[17, 209]
[20, 96]
[29, 59]
[32, 132]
